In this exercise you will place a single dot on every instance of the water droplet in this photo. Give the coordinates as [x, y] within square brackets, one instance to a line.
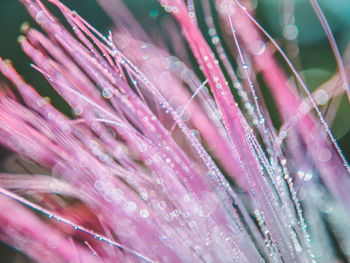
[257, 47]
[144, 213]
[78, 110]
[107, 93]
[186, 215]
[40, 17]
[192, 224]
[187, 198]
[321, 97]
[324, 155]
[304, 175]
[144, 195]
[168, 8]
[290, 32]
[176, 212]
[131, 206]
[212, 31]
[215, 40]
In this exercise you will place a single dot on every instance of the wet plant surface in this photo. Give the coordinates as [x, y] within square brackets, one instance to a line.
[174, 131]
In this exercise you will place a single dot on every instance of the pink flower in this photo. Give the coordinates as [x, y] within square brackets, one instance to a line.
[157, 165]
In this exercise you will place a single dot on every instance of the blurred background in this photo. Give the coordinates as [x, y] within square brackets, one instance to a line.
[297, 23]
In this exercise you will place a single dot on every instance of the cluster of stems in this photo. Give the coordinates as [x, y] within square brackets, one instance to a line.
[170, 156]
